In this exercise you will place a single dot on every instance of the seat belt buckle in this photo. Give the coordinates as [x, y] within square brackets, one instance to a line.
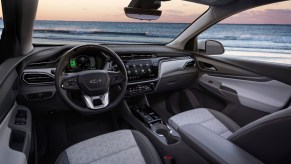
[168, 159]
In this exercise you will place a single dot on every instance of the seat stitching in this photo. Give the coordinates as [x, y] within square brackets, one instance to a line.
[208, 120]
[212, 130]
[112, 154]
[200, 123]
[192, 123]
[225, 132]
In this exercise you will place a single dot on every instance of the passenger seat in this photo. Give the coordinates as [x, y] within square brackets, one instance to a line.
[220, 139]
[208, 118]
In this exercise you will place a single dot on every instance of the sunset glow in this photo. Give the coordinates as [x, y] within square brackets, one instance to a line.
[173, 11]
[112, 10]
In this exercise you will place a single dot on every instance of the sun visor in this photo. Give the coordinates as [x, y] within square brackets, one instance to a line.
[212, 2]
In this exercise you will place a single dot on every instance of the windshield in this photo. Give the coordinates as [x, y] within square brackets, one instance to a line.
[95, 21]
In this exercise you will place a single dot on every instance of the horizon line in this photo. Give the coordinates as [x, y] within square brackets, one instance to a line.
[158, 22]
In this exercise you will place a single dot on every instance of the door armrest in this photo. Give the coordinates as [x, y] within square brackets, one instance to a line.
[213, 147]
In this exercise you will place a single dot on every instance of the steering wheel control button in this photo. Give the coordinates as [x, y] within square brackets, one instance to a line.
[115, 78]
[70, 83]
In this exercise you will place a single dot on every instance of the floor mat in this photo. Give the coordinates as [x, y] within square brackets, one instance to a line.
[56, 132]
[79, 129]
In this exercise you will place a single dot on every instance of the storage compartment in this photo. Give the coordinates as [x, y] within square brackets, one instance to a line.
[17, 140]
[163, 130]
[178, 81]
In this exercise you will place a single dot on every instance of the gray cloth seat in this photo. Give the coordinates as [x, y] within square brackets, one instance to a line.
[208, 118]
[267, 138]
[124, 147]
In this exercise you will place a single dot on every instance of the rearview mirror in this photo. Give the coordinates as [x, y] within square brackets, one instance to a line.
[142, 14]
[211, 47]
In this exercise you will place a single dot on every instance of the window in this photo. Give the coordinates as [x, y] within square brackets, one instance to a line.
[90, 21]
[262, 33]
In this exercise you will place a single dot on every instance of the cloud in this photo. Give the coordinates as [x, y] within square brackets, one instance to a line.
[185, 4]
[268, 16]
[174, 12]
[178, 18]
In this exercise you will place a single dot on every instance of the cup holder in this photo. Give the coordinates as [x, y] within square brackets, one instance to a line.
[163, 130]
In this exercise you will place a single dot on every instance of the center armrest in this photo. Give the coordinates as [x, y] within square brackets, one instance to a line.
[214, 147]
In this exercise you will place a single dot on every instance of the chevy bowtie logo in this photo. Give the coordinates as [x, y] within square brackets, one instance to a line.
[95, 81]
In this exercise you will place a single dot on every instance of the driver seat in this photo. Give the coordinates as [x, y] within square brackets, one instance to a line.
[123, 146]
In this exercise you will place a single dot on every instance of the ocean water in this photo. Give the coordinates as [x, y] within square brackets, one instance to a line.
[107, 32]
[253, 38]
[271, 39]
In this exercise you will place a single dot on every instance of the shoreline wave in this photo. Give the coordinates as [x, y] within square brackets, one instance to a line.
[77, 32]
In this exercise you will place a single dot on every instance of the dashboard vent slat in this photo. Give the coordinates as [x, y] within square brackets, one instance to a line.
[38, 78]
[134, 56]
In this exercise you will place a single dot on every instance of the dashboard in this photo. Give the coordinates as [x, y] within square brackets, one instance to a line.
[148, 70]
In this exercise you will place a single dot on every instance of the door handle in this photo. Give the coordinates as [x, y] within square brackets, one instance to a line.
[206, 66]
[210, 68]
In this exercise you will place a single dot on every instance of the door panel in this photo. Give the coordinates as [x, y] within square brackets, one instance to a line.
[279, 72]
[15, 138]
[245, 84]
[269, 96]
[218, 67]
[15, 120]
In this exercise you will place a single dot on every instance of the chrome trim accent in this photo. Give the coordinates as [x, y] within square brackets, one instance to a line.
[35, 73]
[104, 99]
[167, 66]
[141, 82]
[170, 66]
[41, 70]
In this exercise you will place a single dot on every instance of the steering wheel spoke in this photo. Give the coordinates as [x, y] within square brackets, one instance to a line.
[115, 78]
[97, 102]
[70, 82]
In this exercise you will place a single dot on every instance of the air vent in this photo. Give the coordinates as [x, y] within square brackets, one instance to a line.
[38, 78]
[134, 56]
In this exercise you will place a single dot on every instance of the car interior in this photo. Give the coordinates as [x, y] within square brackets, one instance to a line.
[139, 103]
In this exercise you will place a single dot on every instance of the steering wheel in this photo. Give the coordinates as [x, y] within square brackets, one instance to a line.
[94, 85]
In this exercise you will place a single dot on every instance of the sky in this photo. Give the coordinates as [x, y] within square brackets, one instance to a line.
[173, 11]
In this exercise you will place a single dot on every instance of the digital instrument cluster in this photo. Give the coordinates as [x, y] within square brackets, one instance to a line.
[85, 62]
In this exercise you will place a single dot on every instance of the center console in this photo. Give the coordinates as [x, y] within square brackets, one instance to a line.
[137, 111]
[147, 115]
[141, 110]
[142, 74]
